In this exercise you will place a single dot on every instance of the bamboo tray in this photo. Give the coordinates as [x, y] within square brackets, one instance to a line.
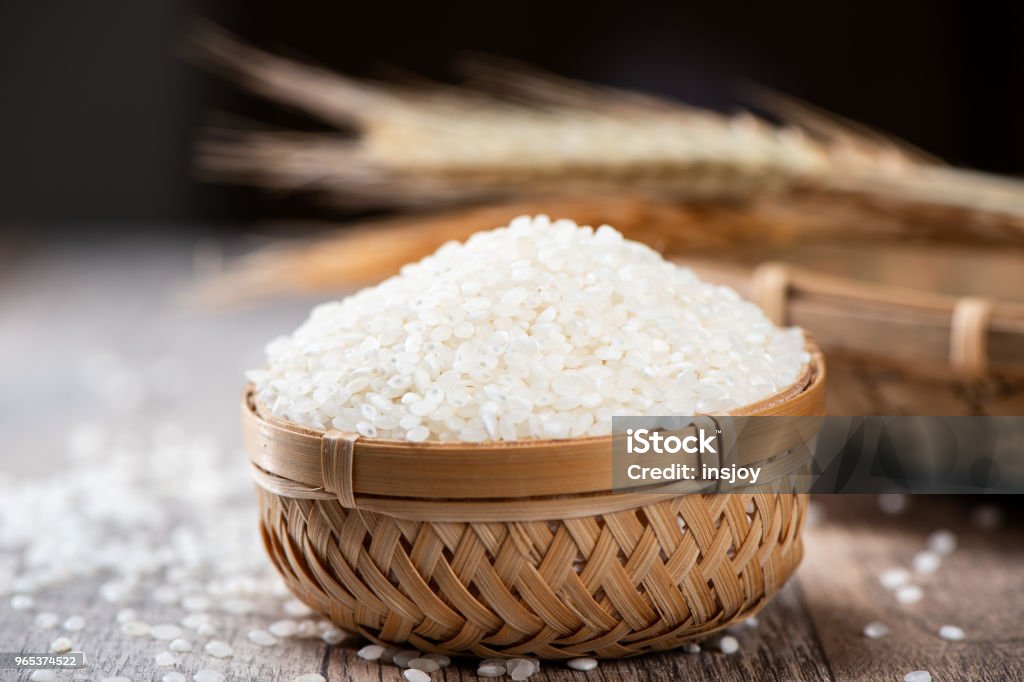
[492, 549]
[894, 349]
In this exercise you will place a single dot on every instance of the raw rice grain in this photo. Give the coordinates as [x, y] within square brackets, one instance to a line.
[582, 664]
[447, 349]
[262, 638]
[414, 675]
[951, 633]
[166, 659]
[180, 646]
[219, 649]
[371, 652]
[876, 630]
[728, 645]
[283, 628]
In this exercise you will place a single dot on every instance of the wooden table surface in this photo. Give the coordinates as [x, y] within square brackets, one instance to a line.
[59, 304]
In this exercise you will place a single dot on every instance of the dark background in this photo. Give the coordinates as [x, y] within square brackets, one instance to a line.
[100, 111]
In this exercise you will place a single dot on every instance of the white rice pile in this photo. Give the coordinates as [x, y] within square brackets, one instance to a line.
[535, 330]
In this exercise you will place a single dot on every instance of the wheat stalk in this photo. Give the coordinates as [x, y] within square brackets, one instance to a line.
[683, 179]
[511, 133]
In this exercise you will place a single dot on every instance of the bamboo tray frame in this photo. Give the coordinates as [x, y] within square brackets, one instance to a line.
[491, 549]
[969, 337]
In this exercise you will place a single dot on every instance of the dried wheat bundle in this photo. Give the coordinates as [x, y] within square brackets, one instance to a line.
[511, 133]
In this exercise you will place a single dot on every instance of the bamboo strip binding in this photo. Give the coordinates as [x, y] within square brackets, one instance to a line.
[561, 575]
[968, 338]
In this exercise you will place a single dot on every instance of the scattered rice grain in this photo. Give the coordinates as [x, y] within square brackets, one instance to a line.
[333, 636]
[909, 594]
[876, 630]
[440, 659]
[61, 645]
[307, 628]
[180, 645]
[491, 667]
[414, 675]
[894, 578]
[402, 658]
[490, 671]
[74, 623]
[926, 562]
[371, 652]
[520, 669]
[219, 649]
[728, 645]
[284, 628]
[942, 542]
[951, 633]
[165, 659]
[582, 664]
[424, 664]
[262, 638]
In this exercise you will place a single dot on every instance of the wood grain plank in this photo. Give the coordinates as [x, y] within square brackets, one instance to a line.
[978, 588]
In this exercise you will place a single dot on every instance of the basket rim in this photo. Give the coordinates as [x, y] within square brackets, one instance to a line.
[408, 477]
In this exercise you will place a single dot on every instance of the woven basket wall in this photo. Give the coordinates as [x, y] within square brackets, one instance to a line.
[493, 550]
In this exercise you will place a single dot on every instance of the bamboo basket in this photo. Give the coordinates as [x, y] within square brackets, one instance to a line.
[512, 549]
